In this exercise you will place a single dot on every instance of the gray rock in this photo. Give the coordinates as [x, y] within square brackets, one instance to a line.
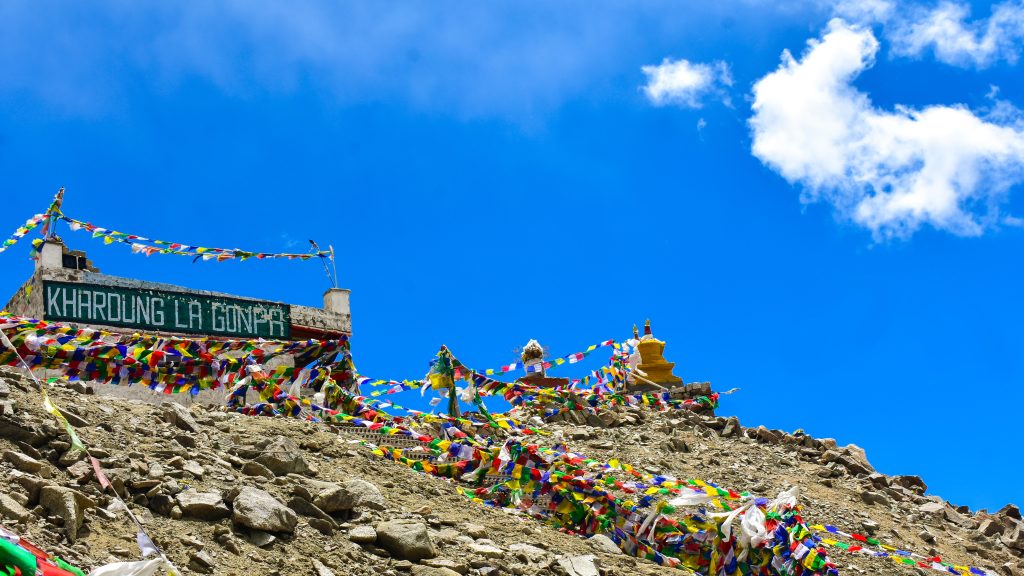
[186, 440]
[323, 526]
[76, 420]
[1015, 539]
[475, 531]
[201, 562]
[307, 508]
[321, 570]
[990, 527]
[441, 566]
[602, 543]
[258, 510]
[870, 497]
[11, 509]
[253, 468]
[406, 539]
[485, 549]
[1009, 511]
[767, 436]
[954, 517]
[363, 535]
[259, 538]
[70, 457]
[156, 471]
[732, 427]
[203, 505]
[926, 536]
[194, 468]
[912, 483]
[932, 507]
[528, 552]
[178, 415]
[282, 456]
[580, 565]
[13, 431]
[68, 504]
[354, 493]
[23, 462]
[857, 455]
[421, 570]
[81, 471]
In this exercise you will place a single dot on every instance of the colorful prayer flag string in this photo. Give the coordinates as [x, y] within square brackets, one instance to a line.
[904, 557]
[22, 230]
[143, 245]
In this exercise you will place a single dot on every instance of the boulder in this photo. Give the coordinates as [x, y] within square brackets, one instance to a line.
[307, 508]
[81, 471]
[485, 549]
[406, 539]
[870, 497]
[321, 569]
[580, 565]
[421, 570]
[252, 468]
[282, 456]
[475, 531]
[765, 435]
[912, 483]
[22, 462]
[259, 538]
[528, 552]
[201, 562]
[1009, 511]
[732, 427]
[363, 535]
[352, 494]
[857, 455]
[68, 504]
[14, 431]
[1015, 539]
[990, 527]
[602, 543]
[179, 416]
[258, 510]
[194, 468]
[10, 508]
[203, 505]
[932, 507]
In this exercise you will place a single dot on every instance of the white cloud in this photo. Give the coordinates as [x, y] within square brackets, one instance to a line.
[504, 59]
[864, 11]
[685, 83]
[946, 31]
[889, 171]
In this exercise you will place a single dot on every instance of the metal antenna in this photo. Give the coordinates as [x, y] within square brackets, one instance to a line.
[334, 265]
[319, 252]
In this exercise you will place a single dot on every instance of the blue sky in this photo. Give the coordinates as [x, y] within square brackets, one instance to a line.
[835, 231]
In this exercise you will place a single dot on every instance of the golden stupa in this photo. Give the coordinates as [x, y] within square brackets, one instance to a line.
[652, 363]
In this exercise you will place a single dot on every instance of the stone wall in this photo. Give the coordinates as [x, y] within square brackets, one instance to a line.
[28, 300]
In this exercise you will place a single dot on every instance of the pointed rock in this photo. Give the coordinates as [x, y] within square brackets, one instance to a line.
[258, 510]
[406, 539]
[203, 505]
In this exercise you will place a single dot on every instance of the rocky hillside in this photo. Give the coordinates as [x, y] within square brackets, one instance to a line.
[223, 493]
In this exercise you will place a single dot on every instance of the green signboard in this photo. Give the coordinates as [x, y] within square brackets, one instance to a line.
[160, 310]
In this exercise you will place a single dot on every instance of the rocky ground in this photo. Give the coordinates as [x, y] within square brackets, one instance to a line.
[222, 493]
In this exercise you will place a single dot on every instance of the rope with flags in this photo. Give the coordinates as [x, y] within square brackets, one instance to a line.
[148, 247]
[143, 245]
